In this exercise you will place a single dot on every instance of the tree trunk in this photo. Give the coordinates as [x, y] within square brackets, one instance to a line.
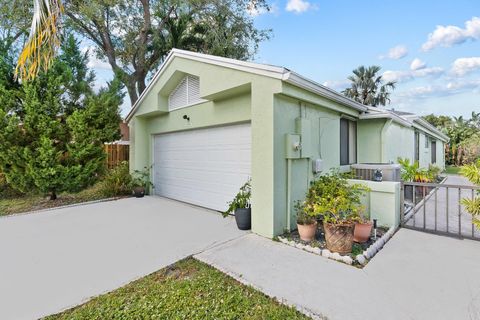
[132, 91]
[53, 195]
[141, 83]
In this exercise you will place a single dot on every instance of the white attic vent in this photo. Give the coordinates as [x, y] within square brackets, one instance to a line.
[186, 93]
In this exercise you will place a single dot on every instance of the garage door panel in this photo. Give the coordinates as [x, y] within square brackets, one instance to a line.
[187, 167]
[204, 167]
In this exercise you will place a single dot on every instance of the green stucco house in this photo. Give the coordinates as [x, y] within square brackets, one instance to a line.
[206, 124]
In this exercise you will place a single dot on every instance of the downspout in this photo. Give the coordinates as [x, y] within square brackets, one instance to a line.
[383, 140]
[289, 193]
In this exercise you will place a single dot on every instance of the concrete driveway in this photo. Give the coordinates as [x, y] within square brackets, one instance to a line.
[53, 260]
[417, 276]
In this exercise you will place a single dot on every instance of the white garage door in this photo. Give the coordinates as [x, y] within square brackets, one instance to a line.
[205, 167]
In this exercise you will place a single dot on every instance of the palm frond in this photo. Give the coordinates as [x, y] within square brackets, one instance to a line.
[43, 41]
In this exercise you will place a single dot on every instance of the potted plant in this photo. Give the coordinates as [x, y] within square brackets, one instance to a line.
[337, 201]
[363, 229]
[306, 223]
[411, 172]
[141, 182]
[241, 208]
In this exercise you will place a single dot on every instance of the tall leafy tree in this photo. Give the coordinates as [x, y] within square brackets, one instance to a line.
[441, 122]
[368, 87]
[53, 127]
[134, 36]
[464, 135]
[77, 78]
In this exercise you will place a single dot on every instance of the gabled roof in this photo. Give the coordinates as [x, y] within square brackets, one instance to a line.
[419, 121]
[284, 74]
[406, 119]
[377, 113]
[271, 71]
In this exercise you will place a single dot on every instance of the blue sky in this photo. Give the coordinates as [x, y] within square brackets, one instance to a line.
[326, 39]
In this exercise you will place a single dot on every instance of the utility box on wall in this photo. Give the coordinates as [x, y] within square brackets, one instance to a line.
[292, 146]
[303, 126]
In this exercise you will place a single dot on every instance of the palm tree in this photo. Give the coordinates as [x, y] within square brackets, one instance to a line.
[368, 88]
[43, 41]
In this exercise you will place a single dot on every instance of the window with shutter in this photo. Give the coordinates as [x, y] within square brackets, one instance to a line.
[186, 93]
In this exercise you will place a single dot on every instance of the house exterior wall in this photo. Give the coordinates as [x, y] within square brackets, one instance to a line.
[235, 97]
[425, 155]
[399, 143]
[323, 141]
[426, 152]
[384, 141]
[272, 107]
[382, 202]
[369, 140]
[440, 154]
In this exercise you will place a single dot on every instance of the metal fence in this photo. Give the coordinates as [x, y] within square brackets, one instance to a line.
[437, 208]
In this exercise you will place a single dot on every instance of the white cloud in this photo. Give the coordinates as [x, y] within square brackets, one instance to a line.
[417, 64]
[93, 61]
[395, 53]
[407, 75]
[429, 91]
[447, 36]
[298, 6]
[462, 66]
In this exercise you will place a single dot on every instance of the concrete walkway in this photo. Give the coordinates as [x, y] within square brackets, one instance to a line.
[450, 216]
[53, 260]
[415, 276]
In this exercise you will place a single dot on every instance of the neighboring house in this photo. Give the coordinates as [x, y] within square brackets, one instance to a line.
[207, 124]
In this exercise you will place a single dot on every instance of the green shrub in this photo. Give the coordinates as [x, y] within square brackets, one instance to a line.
[6, 191]
[411, 172]
[335, 199]
[472, 173]
[141, 178]
[117, 182]
[434, 172]
[303, 217]
[241, 200]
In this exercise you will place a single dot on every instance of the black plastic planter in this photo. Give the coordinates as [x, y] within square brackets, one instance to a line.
[139, 192]
[243, 217]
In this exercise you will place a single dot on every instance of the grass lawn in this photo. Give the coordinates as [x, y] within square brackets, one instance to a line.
[11, 205]
[452, 170]
[187, 290]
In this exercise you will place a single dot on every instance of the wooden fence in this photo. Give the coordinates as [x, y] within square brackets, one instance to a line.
[116, 153]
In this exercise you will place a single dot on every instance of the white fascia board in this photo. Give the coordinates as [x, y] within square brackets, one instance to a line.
[251, 67]
[386, 115]
[425, 126]
[312, 86]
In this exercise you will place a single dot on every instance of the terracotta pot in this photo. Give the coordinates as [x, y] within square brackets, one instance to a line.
[139, 192]
[339, 237]
[362, 232]
[307, 231]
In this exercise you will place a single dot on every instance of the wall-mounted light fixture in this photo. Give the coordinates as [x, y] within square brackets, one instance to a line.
[186, 117]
